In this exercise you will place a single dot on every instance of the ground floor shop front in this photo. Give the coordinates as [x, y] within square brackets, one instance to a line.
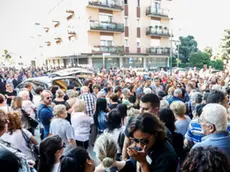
[97, 62]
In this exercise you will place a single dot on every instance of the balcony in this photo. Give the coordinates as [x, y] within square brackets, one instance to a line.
[157, 12]
[113, 5]
[157, 31]
[108, 49]
[158, 50]
[106, 26]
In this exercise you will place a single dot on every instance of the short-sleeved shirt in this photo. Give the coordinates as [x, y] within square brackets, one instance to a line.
[45, 114]
[17, 141]
[182, 125]
[90, 101]
[62, 127]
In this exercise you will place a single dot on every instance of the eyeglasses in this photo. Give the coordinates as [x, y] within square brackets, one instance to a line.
[63, 146]
[47, 98]
[141, 141]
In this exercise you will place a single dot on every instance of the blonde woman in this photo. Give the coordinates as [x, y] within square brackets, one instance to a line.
[59, 99]
[60, 126]
[81, 123]
[182, 121]
[106, 151]
[72, 95]
[16, 136]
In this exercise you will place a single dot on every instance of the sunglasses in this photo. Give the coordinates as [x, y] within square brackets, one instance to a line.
[63, 146]
[141, 141]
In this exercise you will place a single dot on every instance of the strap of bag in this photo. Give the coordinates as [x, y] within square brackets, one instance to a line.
[27, 139]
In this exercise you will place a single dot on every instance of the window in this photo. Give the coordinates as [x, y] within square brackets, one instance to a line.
[155, 42]
[126, 1]
[126, 21]
[138, 3]
[138, 22]
[155, 22]
[105, 17]
[126, 42]
[138, 43]
[106, 40]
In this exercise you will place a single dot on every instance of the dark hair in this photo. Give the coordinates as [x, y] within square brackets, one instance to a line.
[122, 109]
[74, 160]
[114, 120]
[206, 159]
[148, 123]
[199, 109]
[167, 117]
[151, 98]
[2, 98]
[117, 88]
[9, 161]
[48, 148]
[114, 97]
[101, 105]
[109, 89]
[38, 90]
[161, 94]
[215, 96]
[117, 82]
[97, 86]
[131, 88]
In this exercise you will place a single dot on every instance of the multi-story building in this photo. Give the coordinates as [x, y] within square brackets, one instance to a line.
[116, 33]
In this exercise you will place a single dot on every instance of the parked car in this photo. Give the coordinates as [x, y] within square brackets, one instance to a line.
[46, 82]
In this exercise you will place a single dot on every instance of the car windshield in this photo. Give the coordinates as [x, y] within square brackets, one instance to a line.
[64, 83]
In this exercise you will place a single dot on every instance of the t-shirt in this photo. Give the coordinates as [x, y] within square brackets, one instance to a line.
[17, 141]
[81, 124]
[66, 131]
[56, 167]
[112, 106]
[14, 93]
[45, 114]
[182, 125]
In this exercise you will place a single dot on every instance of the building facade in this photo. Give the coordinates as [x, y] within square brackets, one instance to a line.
[110, 33]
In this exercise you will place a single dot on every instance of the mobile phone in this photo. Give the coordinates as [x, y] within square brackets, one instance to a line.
[132, 147]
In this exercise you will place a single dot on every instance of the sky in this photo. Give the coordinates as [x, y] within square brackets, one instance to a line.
[204, 19]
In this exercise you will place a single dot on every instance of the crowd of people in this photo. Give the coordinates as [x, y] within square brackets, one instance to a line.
[152, 122]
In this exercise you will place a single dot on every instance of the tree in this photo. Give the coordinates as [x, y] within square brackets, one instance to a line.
[6, 55]
[225, 45]
[187, 46]
[217, 64]
[198, 59]
[208, 50]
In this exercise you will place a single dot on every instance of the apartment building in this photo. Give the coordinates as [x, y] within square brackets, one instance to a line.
[113, 33]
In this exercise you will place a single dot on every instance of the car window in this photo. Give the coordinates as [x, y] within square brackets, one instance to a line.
[64, 83]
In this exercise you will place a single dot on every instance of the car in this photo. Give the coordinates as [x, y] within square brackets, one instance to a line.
[47, 82]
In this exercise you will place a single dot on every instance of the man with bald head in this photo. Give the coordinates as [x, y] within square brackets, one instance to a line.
[45, 112]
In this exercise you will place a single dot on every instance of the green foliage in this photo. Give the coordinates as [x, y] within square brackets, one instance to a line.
[208, 50]
[188, 45]
[198, 59]
[6, 55]
[218, 64]
[225, 45]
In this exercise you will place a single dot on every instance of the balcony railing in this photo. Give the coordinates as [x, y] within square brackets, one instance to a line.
[106, 26]
[157, 31]
[106, 4]
[108, 49]
[158, 50]
[157, 12]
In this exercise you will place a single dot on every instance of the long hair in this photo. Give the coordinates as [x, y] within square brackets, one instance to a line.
[114, 120]
[100, 107]
[48, 148]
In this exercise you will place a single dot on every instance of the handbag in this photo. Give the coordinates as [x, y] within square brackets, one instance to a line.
[34, 148]
[33, 123]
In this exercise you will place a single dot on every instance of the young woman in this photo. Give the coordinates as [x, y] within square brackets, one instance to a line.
[51, 149]
[59, 99]
[10, 94]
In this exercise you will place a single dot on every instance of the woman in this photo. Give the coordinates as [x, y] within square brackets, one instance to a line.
[106, 150]
[126, 94]
[71, 101]
[51, 149]
[17, 136]
[10, 94]
[132, 97]
[206, 159]
[59, 99]
[156, 154]
[100, 116]
[167, 117]
[3, 104]
[17, 106]
[81, 123]
[66, 131]
[123, 112]
[182, 121]
[77, 160]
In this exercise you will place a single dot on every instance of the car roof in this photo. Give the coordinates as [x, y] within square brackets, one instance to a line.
[47, 79]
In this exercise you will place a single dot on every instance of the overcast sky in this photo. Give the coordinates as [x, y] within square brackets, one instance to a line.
[205, 19]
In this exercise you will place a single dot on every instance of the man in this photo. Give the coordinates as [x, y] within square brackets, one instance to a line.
[29, 87]
[218, 96]
[90, 101]
[158, 85]
[45, 112]
[118, 91]
[96, 89]
[177, 96]
[214, 125]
